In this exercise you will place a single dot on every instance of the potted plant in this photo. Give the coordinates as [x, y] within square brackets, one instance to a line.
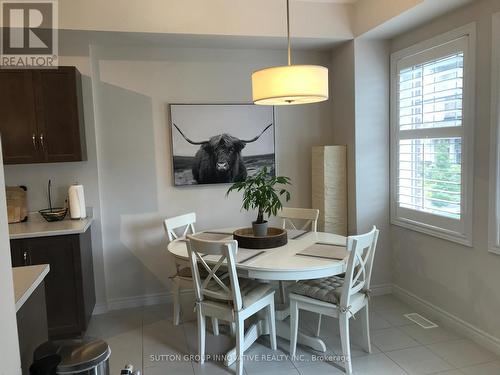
[263, 193]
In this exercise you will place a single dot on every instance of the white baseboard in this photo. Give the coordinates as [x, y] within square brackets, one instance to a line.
[100, 308]
[381, 289]
[135, 301]
[447, 319]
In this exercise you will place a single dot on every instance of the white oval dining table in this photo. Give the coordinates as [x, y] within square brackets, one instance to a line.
[284, 263]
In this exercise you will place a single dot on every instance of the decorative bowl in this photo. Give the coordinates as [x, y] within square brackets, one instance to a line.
[54, 214]
[275, 237]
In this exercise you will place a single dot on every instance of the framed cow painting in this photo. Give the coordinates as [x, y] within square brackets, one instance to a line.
[221, 143]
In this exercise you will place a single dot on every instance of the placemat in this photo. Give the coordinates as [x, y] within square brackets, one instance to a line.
[243, 255]
[325, 251]
[295, 234]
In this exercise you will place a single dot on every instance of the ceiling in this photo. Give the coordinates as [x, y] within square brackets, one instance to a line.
[242, 24]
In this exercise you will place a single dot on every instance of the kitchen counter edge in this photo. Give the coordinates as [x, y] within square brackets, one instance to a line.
[75, 227]
[26, 280]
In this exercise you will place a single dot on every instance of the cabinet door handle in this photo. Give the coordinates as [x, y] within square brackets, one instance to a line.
[26, 258]
[33, 138]
[41, 140]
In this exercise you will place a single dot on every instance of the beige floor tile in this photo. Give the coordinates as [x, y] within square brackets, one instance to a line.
[213, 368]
[320, 369]
[278, 372]
[386, 302]
[213, 344]
[376, 322]
[462, 353]
[334, 344]
[419, 361]
[155, 313]
[260, 358]
[114, 323]
[429, 336]
[185, 368]
[396, 315]
[491, 368]
[163, 340]
[392, 339]
[377, 364]
[125, 348]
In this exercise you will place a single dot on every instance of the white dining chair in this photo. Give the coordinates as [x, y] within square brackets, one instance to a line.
[183, 279]
[337, 297]
[290, 219]
[224, 296]
[307, 216]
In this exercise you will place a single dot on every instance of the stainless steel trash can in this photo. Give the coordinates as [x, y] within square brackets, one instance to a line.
[80, 357]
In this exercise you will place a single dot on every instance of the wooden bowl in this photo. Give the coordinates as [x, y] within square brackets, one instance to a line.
[275, 237]
[54, 214]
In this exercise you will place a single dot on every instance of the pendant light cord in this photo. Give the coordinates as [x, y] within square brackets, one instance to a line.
[288, 31]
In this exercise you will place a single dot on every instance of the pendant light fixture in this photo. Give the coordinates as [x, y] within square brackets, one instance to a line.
[290, 84]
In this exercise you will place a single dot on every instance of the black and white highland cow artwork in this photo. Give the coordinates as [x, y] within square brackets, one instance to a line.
[219, 143]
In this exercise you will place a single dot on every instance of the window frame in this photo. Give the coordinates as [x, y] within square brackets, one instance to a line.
[459, 231]
[494, 207]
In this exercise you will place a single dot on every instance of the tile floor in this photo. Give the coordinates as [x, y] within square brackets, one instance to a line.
[146, 338]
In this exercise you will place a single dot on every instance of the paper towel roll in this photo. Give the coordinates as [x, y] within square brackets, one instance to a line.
[77, 202]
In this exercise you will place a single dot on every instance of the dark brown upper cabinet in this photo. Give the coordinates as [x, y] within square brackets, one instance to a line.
[41, 116]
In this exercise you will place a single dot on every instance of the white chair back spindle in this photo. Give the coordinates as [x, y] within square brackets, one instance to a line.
[183, 222]
[361, 250]
[227, 251]
[307, 216]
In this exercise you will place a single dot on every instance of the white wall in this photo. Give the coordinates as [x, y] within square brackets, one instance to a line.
[9, 343]
[343, 119]
[372, 149]
[133, 87]
[461, 280]
[360, 115]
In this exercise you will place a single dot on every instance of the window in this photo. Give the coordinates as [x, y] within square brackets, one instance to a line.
[494, 227]
[431, 137]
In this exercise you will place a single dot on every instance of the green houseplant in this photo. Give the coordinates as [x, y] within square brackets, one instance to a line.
[263, 193]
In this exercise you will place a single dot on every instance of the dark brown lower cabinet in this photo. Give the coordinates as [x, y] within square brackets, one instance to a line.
[32, 326]
[70, 292]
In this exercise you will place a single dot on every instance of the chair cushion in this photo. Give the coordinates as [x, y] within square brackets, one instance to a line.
[251, 291]
[186, 273]
[327, 289]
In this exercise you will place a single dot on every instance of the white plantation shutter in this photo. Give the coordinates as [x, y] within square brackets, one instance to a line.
[429, 189]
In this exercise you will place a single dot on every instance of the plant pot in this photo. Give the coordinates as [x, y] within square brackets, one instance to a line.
[259, 230]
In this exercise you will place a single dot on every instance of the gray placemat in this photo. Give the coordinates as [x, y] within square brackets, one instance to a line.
[243, 255]
[295, 234]
[325, 251]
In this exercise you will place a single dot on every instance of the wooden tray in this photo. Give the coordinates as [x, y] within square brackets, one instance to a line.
[276, 237]
[16, 204]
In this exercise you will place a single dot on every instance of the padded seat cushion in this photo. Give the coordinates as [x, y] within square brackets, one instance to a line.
[186, 273]
[251, 291]
[327, 289]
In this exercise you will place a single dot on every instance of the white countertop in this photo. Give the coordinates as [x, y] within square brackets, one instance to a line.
[37, 226]
[26, 280]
